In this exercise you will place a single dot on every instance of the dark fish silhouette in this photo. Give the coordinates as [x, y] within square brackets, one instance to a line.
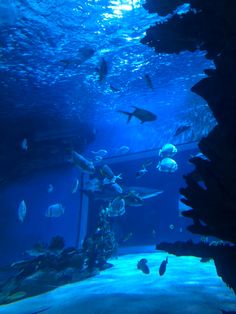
[142, 114]
[162, 268]
[41, 311]
[114, 89]
[182, 128]
[148, 81]
[84, 53]
[102, 70]
[142, 265]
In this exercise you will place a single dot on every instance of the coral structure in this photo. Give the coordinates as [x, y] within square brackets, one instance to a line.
[209, 25]
[54, 265]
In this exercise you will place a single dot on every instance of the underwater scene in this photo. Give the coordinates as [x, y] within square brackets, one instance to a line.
[117, 156]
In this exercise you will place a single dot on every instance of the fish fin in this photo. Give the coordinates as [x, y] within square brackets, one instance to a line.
[129, 114]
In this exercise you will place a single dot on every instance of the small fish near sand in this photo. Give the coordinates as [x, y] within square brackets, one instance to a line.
[82, 163]
[22, 211]
[128, 237]
[142, 265]
[55, 210]
[162, 268]
[142, 114]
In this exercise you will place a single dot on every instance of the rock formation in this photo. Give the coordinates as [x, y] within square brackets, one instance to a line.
[209, 25]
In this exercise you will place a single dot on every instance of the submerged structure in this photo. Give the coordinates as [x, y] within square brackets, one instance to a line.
[120, 123]
[208, 26]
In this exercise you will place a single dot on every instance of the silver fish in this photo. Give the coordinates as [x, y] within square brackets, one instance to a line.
[167, 165]
[24, 144]
[100, 152]
[50, 188]
[75, 186]
[168, 150]
[123, 150]
[116, 207]
[22, 211]
[117, 188]
[82, 163]
[55, 210]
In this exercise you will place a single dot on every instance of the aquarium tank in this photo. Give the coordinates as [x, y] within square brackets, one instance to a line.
[117, 156]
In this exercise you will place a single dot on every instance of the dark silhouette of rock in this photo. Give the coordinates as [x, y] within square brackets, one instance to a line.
[224, 256]
[210, 26]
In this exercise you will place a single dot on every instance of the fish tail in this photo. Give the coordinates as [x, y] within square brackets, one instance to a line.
[129, 114]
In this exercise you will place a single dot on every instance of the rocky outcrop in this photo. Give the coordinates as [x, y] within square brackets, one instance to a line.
[224, 256]
[210, 26]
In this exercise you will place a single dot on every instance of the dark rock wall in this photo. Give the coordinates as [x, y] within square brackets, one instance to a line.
[210, 25]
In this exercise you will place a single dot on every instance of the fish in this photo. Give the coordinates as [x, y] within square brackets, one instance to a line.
[148, 81]
[107, 181]
[123, 150]
[116, 207]
[154, 233]
[162, 268]
[75, 186]
[50, 188]
[107, 172]
[142, 265]
[114, 89]
[102, 70]
[24, 144]
[168, 150]
[82, 163]
[167, 165]
[98, 158]
[143, 170]
[40, 311]
[100, 152]
[182, 128]
[55, 210]
[133, 195]
[93, 185]
[142, 114]
[172, 227]
[22, 211]
[127, 237]
[117, 188]
[84, 53]
[141, 173]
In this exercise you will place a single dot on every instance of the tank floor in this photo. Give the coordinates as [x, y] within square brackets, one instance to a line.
[188, 286]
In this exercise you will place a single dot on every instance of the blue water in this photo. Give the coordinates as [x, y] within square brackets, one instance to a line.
[52, 96]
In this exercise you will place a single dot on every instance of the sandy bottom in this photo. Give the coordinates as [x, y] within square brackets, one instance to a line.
[188, 286]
